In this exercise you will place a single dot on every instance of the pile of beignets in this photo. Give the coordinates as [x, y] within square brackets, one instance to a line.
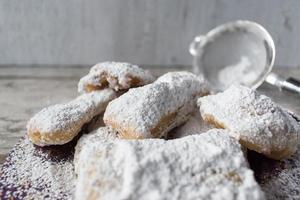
[164, 138]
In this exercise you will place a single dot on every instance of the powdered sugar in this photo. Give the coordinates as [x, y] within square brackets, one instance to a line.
[64, 121]
[241, 73]
[115, 75]
[285, 182]
[195, 125]
[154, 109]
[92, 141]
[31, 174]
[206, 166]
[256, 121]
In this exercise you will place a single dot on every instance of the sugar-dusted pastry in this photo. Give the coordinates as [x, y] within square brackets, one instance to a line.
[258, 123]
[94, 140]
[153, 110]
[60, 123]
[194, 125]
[115, 75]
[206, 166]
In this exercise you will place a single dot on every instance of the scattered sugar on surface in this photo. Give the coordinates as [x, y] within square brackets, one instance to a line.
[285, 183]
[30, 174]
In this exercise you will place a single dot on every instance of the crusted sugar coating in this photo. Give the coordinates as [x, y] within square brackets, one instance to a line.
[92, 141]
[60, 123]
[115, 75]
[259, 123]
[206, 166]
[194, 125]
[152, 110]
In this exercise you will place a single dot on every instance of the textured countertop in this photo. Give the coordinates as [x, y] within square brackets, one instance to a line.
[26, 90]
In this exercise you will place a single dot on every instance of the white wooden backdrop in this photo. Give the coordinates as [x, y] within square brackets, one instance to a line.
[155, 32]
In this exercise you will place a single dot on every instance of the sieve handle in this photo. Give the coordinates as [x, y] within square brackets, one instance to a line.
[290, 84]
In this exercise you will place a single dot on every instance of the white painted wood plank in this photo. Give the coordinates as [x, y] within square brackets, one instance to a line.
[138, 31]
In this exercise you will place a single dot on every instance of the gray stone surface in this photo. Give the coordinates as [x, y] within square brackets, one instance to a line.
[138, 31]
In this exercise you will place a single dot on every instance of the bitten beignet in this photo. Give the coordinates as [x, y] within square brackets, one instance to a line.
[60, 123]
[115, 75]
[259, 123]
[153, 110]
